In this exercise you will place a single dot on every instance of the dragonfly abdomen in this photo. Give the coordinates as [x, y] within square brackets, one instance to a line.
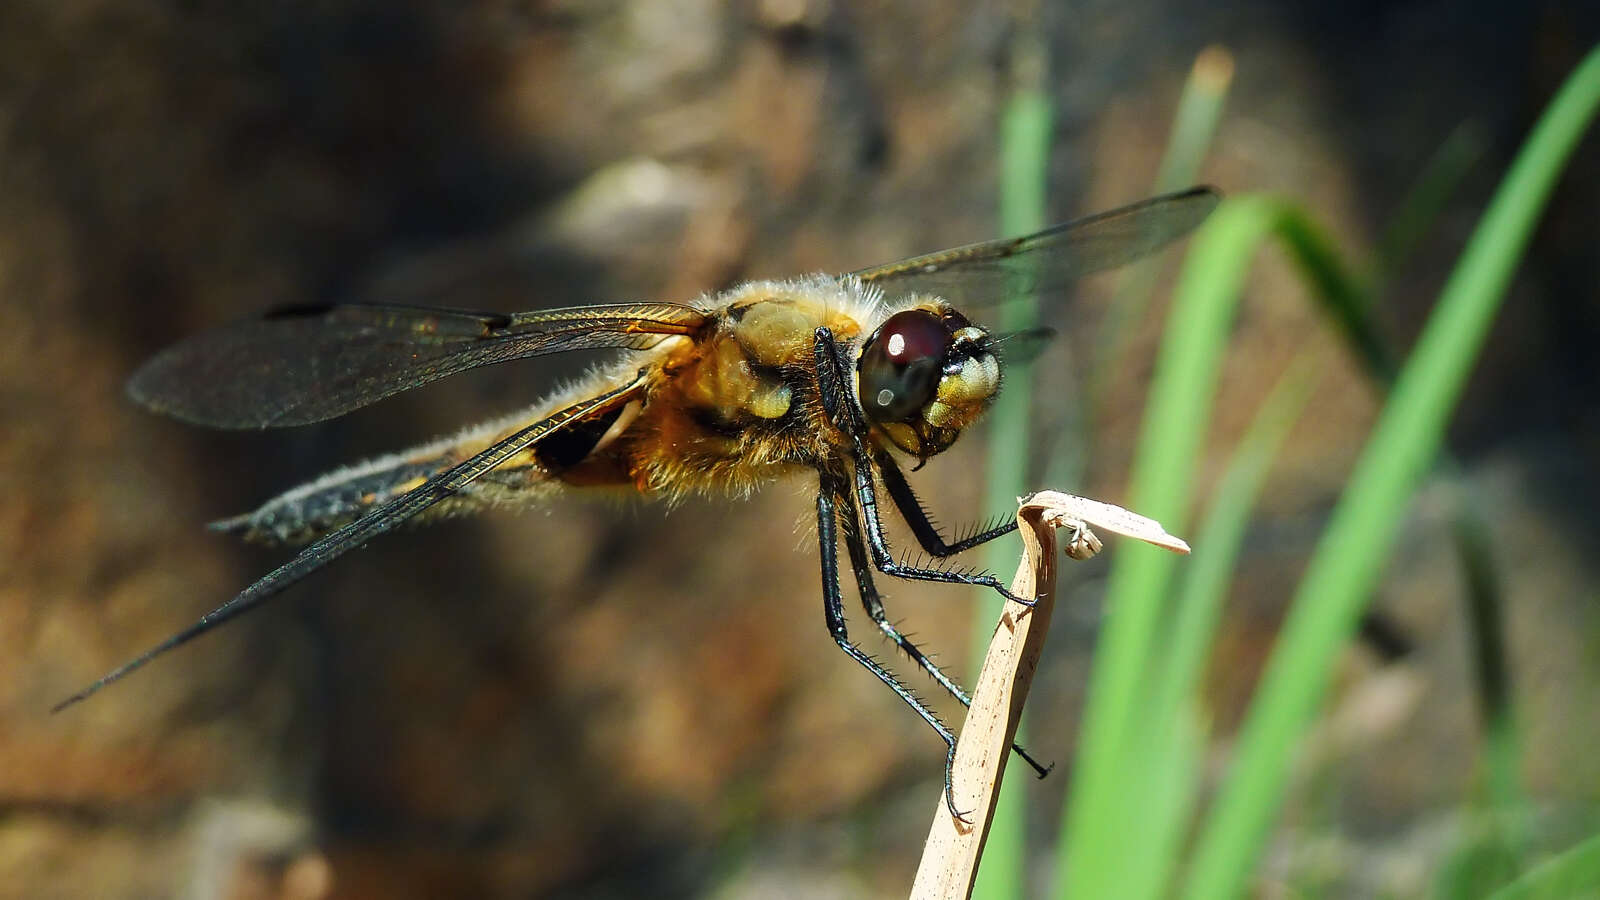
[314, 509]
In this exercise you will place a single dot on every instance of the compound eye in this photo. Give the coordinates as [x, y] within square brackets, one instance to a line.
[899, 370]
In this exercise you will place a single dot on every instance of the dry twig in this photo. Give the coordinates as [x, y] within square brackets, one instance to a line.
[950, 857]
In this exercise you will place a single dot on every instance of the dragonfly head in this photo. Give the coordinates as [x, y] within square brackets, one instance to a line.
[924, 375]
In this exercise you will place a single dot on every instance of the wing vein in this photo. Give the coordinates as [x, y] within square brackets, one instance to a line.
[379, 520]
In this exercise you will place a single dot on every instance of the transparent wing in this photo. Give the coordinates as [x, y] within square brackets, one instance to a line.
[986, 273]
[380, 519]
[303, 365]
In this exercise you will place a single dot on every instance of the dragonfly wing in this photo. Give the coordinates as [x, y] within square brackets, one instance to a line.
[985, 274]
[304, 365]
[382, 518]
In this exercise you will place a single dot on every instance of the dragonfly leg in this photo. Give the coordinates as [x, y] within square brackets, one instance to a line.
[873, 603]
[922, 525]
[833, 612]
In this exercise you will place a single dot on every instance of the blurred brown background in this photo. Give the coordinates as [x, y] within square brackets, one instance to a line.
[598, 700]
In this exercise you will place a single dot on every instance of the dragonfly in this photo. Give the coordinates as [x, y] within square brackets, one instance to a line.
[841, 377]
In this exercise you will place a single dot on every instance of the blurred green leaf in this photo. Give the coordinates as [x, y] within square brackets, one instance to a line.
[1350, 556]
[1173, 725]
[1575, 873]
[1025, 139]
[1194, 125]
[1102, 841]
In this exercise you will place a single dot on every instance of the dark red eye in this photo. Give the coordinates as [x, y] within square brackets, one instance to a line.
[899, 370]
[912, 335]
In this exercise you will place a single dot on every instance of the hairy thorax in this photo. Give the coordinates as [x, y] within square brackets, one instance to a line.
[739, 405]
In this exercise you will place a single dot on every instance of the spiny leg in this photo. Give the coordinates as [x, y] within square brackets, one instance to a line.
[883, 560]
[833, 612]
[873, 603]
[916, 515]
[832, 378]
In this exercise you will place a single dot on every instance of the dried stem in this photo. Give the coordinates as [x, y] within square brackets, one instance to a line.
[950, 857]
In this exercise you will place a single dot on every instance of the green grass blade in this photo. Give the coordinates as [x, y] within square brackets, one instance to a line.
[1172, 739]
[1101, 842]
[1205, 94]
[1476, 547]
[1474, 544]
[1349, 558]
[1195, 124]
[1574, 873]
[1336, 289]
[1026, 131]
[1348, 300]
[1422, 204]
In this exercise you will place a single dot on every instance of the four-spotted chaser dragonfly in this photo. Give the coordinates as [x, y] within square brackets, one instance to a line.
[831, 375]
